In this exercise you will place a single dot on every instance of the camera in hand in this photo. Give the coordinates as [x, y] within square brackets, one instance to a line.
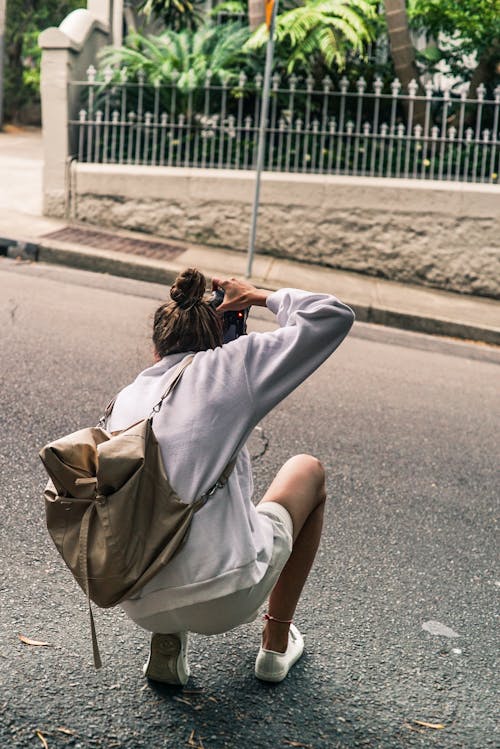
[234, 323]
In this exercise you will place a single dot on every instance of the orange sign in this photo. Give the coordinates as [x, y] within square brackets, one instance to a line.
[269, 12]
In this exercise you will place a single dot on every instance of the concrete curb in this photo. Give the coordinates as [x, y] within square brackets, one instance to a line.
[117, 265]
[428, 325]
[145, 269]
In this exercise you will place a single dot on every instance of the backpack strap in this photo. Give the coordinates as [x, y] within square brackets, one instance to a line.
[224, 477]
[172, 383]
[84, 571]
[221, 481]
[107, 413]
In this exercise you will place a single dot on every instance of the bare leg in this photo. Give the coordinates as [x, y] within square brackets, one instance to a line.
[300, 487]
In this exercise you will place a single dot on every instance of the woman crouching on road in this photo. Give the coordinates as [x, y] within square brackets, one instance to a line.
[237, 555]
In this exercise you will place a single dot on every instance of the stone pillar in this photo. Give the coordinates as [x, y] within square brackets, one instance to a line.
[67, 51]
[101, 9]
[55, 75]
[117, 23]
[109, 12]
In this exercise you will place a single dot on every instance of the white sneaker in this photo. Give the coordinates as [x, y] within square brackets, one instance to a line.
[273, 666]
[167, 660]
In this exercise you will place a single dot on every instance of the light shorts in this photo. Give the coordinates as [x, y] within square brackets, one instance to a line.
[222, 614]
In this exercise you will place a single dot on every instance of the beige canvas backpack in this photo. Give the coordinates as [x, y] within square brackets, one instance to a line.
[110, 509]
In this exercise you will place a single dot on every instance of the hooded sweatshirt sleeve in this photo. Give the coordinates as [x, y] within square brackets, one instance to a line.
[312, 326]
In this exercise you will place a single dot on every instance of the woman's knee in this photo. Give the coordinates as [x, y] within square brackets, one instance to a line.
[315, 470]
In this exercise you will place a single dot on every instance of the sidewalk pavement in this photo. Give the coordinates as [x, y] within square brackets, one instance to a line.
[150, 258]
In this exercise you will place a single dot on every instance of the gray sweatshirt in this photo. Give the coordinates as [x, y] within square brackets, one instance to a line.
[221, 397]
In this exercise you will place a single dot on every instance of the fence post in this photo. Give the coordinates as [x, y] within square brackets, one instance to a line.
[67, 51]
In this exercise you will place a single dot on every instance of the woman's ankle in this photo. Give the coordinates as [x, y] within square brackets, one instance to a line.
[275, 636]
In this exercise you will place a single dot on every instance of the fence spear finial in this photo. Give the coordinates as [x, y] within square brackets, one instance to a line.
[412, 88]
[327, 84]
[481, 91]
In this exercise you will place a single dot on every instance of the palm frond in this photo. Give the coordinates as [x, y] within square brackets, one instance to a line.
[351, 15]
[346, 30]
[187, 81]
[184, 56]
[230, 7]
[258, 39]
[331, 47]
[329, 28]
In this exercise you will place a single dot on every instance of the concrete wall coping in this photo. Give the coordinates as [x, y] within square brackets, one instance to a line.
[73, 32]
[311, 190]
[287, 177]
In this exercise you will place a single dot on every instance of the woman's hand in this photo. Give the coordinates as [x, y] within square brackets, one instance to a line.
[239, 294]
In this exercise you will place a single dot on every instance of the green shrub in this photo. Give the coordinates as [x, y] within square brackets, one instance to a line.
[24, 22]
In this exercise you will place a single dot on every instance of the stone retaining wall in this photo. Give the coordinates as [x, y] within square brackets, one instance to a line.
[434, 233]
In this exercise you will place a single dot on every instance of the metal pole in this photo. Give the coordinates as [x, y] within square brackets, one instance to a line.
[262, 138]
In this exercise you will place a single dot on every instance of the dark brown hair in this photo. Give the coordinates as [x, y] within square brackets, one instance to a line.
[188, 322]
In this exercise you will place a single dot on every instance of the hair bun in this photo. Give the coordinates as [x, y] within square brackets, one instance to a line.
[188, 288]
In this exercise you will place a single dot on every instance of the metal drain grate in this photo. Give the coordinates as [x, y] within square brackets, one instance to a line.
[104, 241]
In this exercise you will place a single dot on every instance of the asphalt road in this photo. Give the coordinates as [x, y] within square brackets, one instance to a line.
[406, 426]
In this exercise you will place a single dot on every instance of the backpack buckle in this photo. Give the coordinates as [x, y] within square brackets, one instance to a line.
[217, 485]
